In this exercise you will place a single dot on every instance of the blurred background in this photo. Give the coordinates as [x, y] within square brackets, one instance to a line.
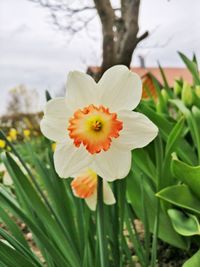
[42, 40]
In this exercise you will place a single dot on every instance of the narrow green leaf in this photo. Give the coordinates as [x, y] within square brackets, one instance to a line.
[191, 65]
[20, 248]
[11, 257]
[174, 136]
[13, 228]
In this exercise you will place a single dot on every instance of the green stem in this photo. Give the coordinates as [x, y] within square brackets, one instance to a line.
[159, 160]
[101, 225]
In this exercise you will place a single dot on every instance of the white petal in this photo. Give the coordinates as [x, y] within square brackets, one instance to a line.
[138, 131]
[2, 167]
[92, 201]
[57, 108]
[112, 164]
[120, 88]
[54, 129]
[55, 121]
[108, 196]
[81, 90]
[70, 160]
[7, 180]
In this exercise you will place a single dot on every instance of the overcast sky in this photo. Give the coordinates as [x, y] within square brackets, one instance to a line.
[33, 53]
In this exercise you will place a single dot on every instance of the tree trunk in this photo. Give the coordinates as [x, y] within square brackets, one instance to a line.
[107, 17]
[119, 33]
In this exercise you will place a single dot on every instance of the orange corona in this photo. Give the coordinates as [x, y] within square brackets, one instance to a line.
[85, 185]
[94, 127]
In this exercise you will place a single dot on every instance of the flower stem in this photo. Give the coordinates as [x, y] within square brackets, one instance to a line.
[101, 225]
[159, 160]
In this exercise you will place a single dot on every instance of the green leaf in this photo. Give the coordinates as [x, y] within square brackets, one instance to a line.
[166, 84]
[37, 211]
[192, 67]
[191, 123]
[173, 144]
[185, 224]
[14, 229]
[181, 196]
[185, 151]
[166, 231]
[194, 261]
[20, 247]
[188, 174]
[174, 136]
[196, 114]
[36, 230]
[11, 257]
[48, 96]
[144, 162]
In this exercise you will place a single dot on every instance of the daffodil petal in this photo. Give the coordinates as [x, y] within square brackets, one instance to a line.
[70, 160]
[55, 121]
[54, 129]
[92, 201]
[81, 90]
[57, 108]
[112, 164]
[138, 131]
[120, 88]
[108, 196]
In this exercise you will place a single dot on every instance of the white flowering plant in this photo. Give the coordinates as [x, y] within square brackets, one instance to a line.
[109, 169]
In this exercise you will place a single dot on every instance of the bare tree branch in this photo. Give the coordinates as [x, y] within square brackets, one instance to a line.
[107, 17]
[119, 24]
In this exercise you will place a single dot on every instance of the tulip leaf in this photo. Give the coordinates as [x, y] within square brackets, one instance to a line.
[174, 136]
[194, 261]
[181, 196]
[190, 121]
[185, 150]
[185, 224]
[166, 231]
[192, 67]
[188, 174]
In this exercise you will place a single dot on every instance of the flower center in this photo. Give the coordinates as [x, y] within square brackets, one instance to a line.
[85, 185]
[94, 127]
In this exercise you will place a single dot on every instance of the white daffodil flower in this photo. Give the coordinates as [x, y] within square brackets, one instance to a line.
[94, 125]
[85, 186]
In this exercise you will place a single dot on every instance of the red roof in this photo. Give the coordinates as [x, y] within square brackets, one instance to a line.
[171, 73]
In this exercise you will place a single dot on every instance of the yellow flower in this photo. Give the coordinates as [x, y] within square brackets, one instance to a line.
[2, 143]
[26, 133]
[85, 186]
[53, 146]
[13, 134]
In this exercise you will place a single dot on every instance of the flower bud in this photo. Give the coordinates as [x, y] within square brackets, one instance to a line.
[165, 95]
[177, 88]
[187, 95]
[197, 90]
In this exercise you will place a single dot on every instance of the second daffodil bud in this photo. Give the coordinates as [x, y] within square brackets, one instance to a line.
[187, 95]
